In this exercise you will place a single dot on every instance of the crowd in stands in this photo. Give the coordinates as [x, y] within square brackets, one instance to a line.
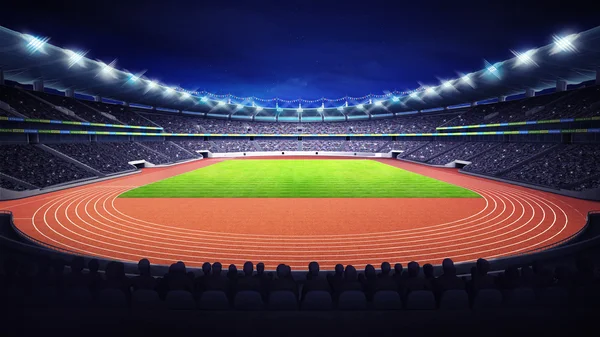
[29, 106]
[171, 150]
[465, 151]
[505, 156]
[365, 145]
[38, 167]
[563, 167]
[323, 145]
[278, 145]
[430, 150]
[10, 185]
[240, 145]
[75, 106]
[51, 283]
[99, 156]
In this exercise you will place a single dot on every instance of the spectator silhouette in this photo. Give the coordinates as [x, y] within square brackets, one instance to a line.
[314, 282]
[413, 282]
[428, 272]
[263, 278]
[385, 270]
[248, 281]
[200, 282]
[144, 280]
[349, 282]
[448, 280]
[76, 278]
[284, 281]
[368, 281]
[481, 279]
[335, 280]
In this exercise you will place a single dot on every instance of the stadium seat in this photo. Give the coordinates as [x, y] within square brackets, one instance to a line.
[248, 300]
[317, 301]
[420, 300]
[146, 300]
[180, 300]
[213, 300]
[520, 298]
[112, 298]
[387, 300]
[282, 300]
[352, 300]
[554, 297]
[78, 298]
[454, 300]
[487, 299]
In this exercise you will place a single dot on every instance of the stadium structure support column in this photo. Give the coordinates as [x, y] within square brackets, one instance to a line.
[561, 85]
[529, 92]
[70, 92]
[97, 99]
[501, 98]
[1, 76]
[38, 85]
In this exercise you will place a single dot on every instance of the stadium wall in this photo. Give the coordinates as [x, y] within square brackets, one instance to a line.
[300, 153]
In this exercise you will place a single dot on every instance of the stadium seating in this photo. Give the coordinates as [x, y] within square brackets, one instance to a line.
[26, 104]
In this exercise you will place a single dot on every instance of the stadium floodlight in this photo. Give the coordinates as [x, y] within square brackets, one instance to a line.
[258, 108]
[133, 78]
[395, 99]
[360, 106]
[239, 106]
[169, 90]
[221, 103]
[564, 43]
[320, 110]
[430, 91]
[447, 85]
[107, 69]
[414, 94]
[492, 69]
[151, 84]
[341, 108]
[204, 99]
[35, 44]
[524, 58]
[379, 103]
[75, 58]
[185, 95]
[466, 78]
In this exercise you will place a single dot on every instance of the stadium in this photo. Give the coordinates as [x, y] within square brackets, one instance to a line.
[478, 194]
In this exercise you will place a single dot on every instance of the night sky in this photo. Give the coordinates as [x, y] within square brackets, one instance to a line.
[299, 49]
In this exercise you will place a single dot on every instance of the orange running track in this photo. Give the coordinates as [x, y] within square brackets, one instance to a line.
[92, 221]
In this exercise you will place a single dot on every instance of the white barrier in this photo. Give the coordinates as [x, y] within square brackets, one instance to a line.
[300, 153]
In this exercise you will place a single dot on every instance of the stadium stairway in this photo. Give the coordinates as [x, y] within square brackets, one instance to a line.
[256, 146]
[105, 114]
[69, 159]
[529, 159]
[183, 149]
[383, 146]
[443, 152]
[152, 150]
[143, 117]
[9, 110]
[406, 154]
[18, 181]
[62, 110]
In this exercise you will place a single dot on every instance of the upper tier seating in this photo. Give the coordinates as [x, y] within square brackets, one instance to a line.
[29, 106]
[79, 109]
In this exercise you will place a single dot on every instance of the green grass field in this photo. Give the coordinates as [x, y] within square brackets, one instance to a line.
[299, 179]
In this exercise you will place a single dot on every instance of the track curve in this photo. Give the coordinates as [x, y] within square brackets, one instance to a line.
[91, 220]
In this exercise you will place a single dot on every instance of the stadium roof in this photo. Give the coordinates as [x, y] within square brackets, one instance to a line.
[25, 59]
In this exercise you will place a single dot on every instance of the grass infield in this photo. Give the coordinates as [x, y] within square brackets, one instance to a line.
[263, 178]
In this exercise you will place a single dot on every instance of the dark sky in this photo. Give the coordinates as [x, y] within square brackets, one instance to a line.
[299, 49]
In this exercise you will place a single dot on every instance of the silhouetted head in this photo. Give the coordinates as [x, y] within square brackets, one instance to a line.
[248, 268]
[448, 267]
[483, 266]
[144, 267]
[77, 264]
[216, 269]
[232, 269]
[350, 273]
[260, 268]
[398, 269]
[370, 272]
[413, 269]
[313, 268]
[181, 267]
[339, 269]
[385, 268]
[206, 267]
[428, 270]
[281, 270]
[93, 265]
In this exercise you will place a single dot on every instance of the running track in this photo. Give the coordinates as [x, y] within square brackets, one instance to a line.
[91, 220]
